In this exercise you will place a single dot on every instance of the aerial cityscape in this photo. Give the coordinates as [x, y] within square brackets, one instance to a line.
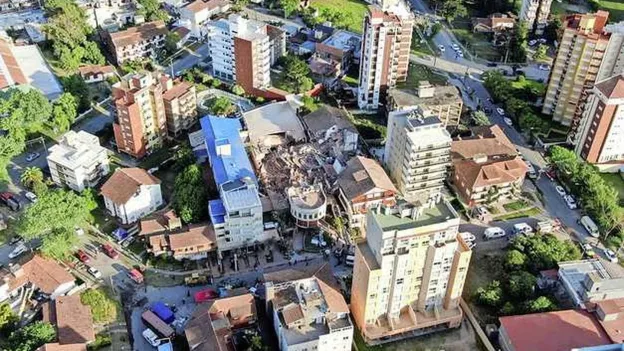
[303, 175]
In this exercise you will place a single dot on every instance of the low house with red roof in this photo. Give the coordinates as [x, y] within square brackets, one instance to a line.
[486, 166]
[96, 73]
[72, 321]
[131, 193]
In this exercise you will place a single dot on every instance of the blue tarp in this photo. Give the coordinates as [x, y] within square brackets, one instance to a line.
[233, 165]
[120, 234]
[163, 312]
[165, 347]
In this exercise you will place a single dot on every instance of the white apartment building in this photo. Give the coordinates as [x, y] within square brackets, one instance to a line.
[613, 60]
[385, 51]
[309, 312]
[535, 14]
[409, 274]
[78, 161]
[131, 193]
[243, 50]
[417, 153]
[197, 14]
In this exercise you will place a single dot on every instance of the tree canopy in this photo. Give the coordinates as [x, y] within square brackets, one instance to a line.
[103, 308]
[7, 317]
[152, 11]
[295, 74]
[171, 42]
[541, 252]
[289, 6]
[220, 106]
[452, 9]
[31, 337]
[191, 196]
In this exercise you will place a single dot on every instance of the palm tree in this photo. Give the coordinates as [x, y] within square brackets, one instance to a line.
[31, 176]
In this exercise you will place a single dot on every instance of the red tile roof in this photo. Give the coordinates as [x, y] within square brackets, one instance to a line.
[200, 5]
[90, 70]
[613, 87]
[13, 73]
[177, 91]
[614, 325]
[553, 331]
[43, 273]
[73, 320]
[125, 182]
[134, 35]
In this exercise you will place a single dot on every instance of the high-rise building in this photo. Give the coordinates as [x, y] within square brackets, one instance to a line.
[535, 14]
[579, 57]
[417, 153]
[443, 101]
[613, 61]
[243, 50]
[140, 123]
[601, 131]
[385, 52]
[180, 107]
[409, 274]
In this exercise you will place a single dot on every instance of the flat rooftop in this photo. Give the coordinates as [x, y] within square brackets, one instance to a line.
[368, 256]
[276, 118]
[438, 213]
[442, 95]
[344, 40]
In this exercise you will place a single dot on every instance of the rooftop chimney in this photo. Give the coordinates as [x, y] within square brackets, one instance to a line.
[425, 89]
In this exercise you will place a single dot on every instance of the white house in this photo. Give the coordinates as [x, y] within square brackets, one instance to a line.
[131, 193]
[78, 161]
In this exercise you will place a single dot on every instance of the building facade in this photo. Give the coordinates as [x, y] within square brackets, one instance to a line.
[243, 51]
[417, 153]
[601, 131]
[196, 15]
[309, 313]
[78, 161]
[180, 103]
[445, 102]
[308, 204]
[535, 14]
[385, 51]
[140, 123]
[579, 57]
[138, 42]
[131, 193]
[409, 275]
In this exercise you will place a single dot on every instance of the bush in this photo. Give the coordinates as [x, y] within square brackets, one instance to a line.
[521, 285]
[515, 260]
[101, 341]
[490, 295]
[103, 307]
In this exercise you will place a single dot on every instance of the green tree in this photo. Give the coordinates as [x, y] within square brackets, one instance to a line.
[289, 7]
[183, 158]
[152, 11]
[521, 285]
[479, 118]
[64, 112]
[540, 52]
[518, 43]
[7, 317]
[76, 86]
[31, 177]
[92, 54]
[508, 309]
[220, 106]
[56, 211]
[238, 90]
[295, 74]
[103, 307]
[451, 9]
[515, 260]
[191, 196]
[565, 160]
[541, 304]
[490, 295]
[215, 83]
[31, 337]
[309, 105]
[545, 251]
[171, 42]
[552, 29]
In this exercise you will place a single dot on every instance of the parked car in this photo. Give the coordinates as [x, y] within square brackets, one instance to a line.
[10, 200]
[110, 251]
[611, 256]
[31, 197]
[544, 67]
[493, 233]
[151, 337]
[571, 202]
[468, 237]
[460, 53]
[471, 245]
[481, 210]
[94, 272]
[136, 276]
[16, 240]
[18, 251]
[590, 226]
[522, 228]
[441, 47]
[508, 121]
[588, 251]
[561, 191]
[532, 42]
[500, 111]
[32, 156]
[82, 256]
[455, 47]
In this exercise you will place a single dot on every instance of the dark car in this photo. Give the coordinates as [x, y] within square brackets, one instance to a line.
[492, 64]
[10, 200]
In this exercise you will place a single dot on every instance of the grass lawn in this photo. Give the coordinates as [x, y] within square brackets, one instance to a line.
[477, 44]
[482, 270]
[159, 280]
[515, 206]
[370, 126]
[615, 8]
[416, 73]
[530, 212]
[616, 181]
[540, 88]
[353, 10]
[353, 76]
[421, 46]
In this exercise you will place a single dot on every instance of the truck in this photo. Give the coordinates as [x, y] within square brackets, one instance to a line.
[163, 312]
[156, 324]
[195, 279]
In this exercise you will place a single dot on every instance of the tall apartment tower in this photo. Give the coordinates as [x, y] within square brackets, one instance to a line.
[385, 50]
[140, 123]
[613, 61]
[535, 14]
[243, 50]
[579, 58]
[601, 130]
[417, 153]
[409, 274]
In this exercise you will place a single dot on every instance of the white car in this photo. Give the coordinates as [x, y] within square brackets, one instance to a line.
[530, 167]
[94, 272]
[151, 337]
[468, 237]
[611, 256]
[482, 210]
[460, 54]
[32, 156]
[532, 42]
[500, 111]
[561, 191]
[31, 197]
[18, 250]
[441, 47]
[471, 245]
[508, 121]
[542, 40]
[543, 67]
[493, 233]
[455, 47]
[571, 202]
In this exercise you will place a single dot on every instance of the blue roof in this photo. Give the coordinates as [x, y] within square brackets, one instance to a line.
[217, 211]
[220, 131]
[165, 347]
